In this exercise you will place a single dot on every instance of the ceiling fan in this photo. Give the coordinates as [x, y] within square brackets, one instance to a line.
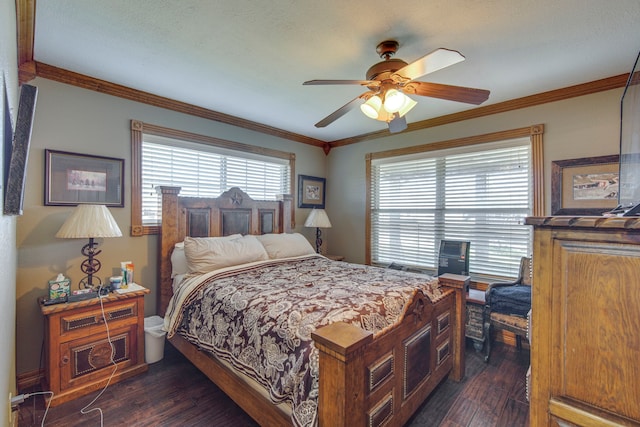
[388, 81]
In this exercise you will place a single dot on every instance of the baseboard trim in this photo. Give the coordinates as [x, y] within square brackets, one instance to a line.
[29, 379]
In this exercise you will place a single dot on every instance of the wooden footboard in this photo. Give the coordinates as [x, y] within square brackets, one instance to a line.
[383, 381]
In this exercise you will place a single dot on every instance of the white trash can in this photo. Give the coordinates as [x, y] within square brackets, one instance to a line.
[153, 339]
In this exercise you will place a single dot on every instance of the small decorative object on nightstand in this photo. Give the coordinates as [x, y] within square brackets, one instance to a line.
[77, 349]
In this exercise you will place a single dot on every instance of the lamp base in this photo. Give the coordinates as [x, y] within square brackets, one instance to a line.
[318, 240]
[91, 265]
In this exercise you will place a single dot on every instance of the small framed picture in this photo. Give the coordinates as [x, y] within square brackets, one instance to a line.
[72, 179]
[587, 186]
[311, 192]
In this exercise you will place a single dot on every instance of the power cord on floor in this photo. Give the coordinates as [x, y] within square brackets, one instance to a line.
[16, 400]
[84, 410]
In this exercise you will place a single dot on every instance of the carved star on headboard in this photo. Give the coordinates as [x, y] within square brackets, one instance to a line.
[236, 198]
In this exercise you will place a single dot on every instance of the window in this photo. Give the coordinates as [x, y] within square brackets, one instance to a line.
[202, 167]
[477, 192]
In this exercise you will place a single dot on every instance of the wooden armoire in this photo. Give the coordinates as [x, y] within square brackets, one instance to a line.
[585, 333]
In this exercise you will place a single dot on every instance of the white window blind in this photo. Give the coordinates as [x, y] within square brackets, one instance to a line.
[206, 171]
[481, 196]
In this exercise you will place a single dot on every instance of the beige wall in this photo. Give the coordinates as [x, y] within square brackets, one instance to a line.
[8, 81]
[580, 127]
[77, 120]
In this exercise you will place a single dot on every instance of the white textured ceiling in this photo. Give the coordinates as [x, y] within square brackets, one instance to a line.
[248, 58]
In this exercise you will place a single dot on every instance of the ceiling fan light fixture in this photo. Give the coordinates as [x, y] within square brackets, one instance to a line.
[394, 100]
[407, 106]
[371, 108]
[383, 116]
[391, 79]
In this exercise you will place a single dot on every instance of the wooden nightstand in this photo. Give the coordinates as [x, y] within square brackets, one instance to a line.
[335, 257]
[77, 351]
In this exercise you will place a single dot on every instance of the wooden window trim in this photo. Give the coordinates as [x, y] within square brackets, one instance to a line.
[138, 129]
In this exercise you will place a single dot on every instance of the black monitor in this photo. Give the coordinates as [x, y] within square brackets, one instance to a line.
[454, 257]
[629, 176]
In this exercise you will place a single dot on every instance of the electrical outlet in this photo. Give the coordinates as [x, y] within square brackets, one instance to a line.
[13, 414]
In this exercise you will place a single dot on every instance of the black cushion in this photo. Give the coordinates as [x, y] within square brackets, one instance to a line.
[513, 300]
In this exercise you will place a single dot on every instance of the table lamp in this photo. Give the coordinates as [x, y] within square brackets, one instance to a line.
[89, 221]
[318, 218]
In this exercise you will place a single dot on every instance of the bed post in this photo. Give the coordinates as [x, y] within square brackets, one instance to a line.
[286, 218]
[342, 368]
[168, 238]
[459, 284]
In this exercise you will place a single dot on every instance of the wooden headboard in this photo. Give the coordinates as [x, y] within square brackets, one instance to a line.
[231, 213]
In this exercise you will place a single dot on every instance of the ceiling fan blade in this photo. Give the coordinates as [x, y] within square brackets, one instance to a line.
[451, 93]
[343, 110]
[433, 61]
[343, 82]
[398, 124]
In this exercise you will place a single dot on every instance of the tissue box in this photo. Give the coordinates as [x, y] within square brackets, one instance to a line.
[59, 288]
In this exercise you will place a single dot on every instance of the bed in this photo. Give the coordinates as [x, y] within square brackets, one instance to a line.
[371, 372]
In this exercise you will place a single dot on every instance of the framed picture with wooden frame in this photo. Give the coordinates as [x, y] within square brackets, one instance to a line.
[72, 179]
[311, 191]
[586, 186]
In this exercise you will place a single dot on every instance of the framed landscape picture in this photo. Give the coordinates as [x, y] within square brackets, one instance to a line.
[311, 192]
[72, 179]
[587, 186]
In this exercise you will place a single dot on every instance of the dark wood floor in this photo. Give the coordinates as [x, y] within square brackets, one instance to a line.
[174, 393]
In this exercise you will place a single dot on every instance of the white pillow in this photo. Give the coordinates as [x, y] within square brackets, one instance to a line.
[206, 254]
[178, 260]
[286, 245]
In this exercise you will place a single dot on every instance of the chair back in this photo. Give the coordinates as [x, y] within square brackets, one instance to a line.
[526, 271]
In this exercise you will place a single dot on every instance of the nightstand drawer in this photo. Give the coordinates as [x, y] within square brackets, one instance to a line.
[82, 357]
[75, 321]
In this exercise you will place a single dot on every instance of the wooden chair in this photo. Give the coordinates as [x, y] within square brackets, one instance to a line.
[507, 305]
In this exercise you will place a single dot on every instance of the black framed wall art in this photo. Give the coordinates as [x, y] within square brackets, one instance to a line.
[311, 191]
[72, 179]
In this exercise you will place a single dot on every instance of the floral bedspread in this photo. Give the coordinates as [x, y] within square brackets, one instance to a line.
[259, 317]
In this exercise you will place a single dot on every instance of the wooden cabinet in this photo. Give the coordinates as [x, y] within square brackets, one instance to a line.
[585, 326]
[474, 325]
[78, 345]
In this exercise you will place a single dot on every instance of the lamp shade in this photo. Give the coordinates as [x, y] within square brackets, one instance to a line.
[89, 221]
[408, 105]
[371, 108]
[393, 100]
[318, 218]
